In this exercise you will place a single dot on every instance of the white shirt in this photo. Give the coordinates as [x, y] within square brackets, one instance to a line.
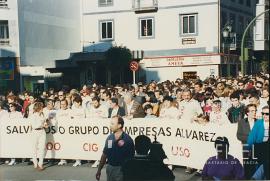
[3, 114]
[100, 112]
[225, 103]
[266, 131]
[50, 114]
[219, 118]
[63, 114]
[15, 115]
[86, 100]
[37, 120]
[169, 113]
[190, 109]
[106, 104]
[129, 106]
[77, 113]
[114, 112]
[31, 109]
[251, 124]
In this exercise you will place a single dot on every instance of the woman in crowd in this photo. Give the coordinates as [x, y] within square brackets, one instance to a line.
[168, 110]
[38, 123]
[30, 106]
[3, 112]
[217, 115]
[151, 99]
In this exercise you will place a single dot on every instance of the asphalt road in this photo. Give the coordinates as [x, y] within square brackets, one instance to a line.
[24, 172]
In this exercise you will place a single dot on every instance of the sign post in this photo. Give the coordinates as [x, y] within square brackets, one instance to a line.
[134, 66]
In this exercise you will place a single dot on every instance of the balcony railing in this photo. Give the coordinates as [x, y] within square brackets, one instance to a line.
[141, 6]
[3, 4]
[4, 41]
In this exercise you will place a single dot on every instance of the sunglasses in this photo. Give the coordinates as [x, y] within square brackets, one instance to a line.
[265, 113]
[60, 95]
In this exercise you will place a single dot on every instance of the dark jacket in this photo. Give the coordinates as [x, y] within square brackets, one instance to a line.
[145, 169]
[120, 112]
[236, 114]
[136, 110]
[243, 130]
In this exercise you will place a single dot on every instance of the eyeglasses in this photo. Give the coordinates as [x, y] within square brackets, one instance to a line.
[258, 87]
[60, 95]
[265, 113]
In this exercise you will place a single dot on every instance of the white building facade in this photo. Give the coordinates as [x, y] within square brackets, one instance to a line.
[179, 39]
[9, 44]
[261, 40]
[38, 32]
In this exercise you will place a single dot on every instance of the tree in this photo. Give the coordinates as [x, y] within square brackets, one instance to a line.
[117, 60]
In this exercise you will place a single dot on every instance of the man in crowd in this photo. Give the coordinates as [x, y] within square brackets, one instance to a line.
[244, 127]
[189, 108]
[61, 97]
[118, 149]
[133, 109]
[143, 167]
[237, 111]
[115, 109]
[96, 110]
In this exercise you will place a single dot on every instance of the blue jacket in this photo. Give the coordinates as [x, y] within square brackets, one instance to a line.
[256, 135]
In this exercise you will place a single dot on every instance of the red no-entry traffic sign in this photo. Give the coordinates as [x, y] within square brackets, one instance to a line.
[134, 66]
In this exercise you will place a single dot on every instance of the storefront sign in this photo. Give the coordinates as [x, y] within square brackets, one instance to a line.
[186, 41]
[179, 61]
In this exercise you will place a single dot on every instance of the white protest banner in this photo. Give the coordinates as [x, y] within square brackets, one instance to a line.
[184, 143]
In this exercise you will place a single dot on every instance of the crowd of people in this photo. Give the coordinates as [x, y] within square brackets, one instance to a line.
[215, 100]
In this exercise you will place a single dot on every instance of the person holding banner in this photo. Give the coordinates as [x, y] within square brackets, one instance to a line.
[77, 113]
[223, 166]
[13, 115]
[168, 110]
[132, 107]
[217, 116]
[118, 149]
[189, 109]
[38, 123]
[3, 112]
[115, 109]
[61, 115]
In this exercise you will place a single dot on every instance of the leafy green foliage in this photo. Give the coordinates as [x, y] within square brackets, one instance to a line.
[118, 57]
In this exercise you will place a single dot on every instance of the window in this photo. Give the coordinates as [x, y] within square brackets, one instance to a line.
[3, 4]
[224, 18]
[106, 30]
[105, 2]
[241, 25]
[188, 24]
[4, 34]
[146, 27]
[233, 22]
[248, 3]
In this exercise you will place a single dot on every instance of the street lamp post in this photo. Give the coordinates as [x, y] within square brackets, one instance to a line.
[226, 32]
[243, 68]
